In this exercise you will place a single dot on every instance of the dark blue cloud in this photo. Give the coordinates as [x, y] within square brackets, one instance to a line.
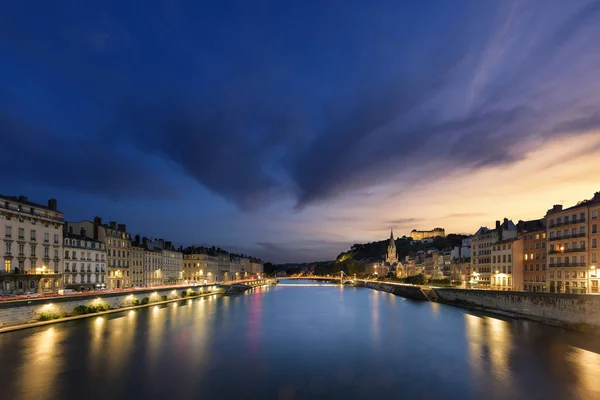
[266, 102]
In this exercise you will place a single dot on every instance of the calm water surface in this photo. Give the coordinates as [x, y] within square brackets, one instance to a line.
[299, 343]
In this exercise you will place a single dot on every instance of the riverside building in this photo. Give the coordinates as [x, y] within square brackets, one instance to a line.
[481, 251]
[533, 235]
[85, 261]
[572, 235]
[31, 237]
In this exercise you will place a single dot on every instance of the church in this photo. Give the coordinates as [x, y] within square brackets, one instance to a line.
[391, 258]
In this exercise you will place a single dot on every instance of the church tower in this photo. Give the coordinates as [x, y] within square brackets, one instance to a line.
[392, 255]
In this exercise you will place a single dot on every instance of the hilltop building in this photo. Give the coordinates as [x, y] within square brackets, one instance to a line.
[420, 235]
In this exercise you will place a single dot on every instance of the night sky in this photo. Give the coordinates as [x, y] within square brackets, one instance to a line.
[290, 130]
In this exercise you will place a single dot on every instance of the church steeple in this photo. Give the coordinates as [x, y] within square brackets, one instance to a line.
[391, 256]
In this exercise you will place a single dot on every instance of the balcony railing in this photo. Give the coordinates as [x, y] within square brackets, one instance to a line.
[575, 264]
[577, 235]
[571, 250]
[569, 222]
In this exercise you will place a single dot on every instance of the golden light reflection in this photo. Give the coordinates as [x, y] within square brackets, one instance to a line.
[587, 371]
[375, 328]
[43, 362]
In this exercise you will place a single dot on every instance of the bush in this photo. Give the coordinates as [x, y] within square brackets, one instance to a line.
[145, 300]
[47, 316]
[94, 308]
[163, 298]
[135, 302]
[184, 293]
[191, 293]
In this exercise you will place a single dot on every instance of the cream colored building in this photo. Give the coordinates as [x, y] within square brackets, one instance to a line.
[118, 245]
[31, 236]
[199, 267]
[572, 235]
[507, 265]
[172, 266]
[85, 262]
[481, 251]
[153, 275]
[420, 235]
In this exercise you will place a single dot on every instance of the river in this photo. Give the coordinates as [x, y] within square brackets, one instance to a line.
[299, 342]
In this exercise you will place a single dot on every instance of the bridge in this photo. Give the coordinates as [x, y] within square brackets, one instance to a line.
[341, 278]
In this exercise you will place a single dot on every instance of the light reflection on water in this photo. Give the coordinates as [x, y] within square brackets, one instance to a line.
[305, 342]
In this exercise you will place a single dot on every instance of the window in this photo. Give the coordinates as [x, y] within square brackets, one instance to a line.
[8, 248]
[595, 214]
[566, 218]
[552, 235]
[537, 236]
[582, 275]
[46, 251]
[56, 238]
[595, 228]
[31, 284]
[21, 233]
[55, 253]
[8, 231]
[551, 274]
[32, 252]
[594, 260]
[32, 235]
[46, 237]
[594, 243]
[21, 249]
[537, 267]
[582, 216]
[559, 274]
[509, 258]
[7, 265]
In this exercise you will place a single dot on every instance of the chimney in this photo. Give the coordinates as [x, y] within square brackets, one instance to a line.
[51, 204]
[168, 245]
[145, 242]
[97, 223]
[497, 224]
[23, 199]
[122, 228]
[596, 196]
[137, 239]
[113, 225]
[82, 231]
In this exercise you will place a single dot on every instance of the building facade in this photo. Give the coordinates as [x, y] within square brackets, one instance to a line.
[572, 247]
[199, 267]
[32, 246]
[481, 251]
[118, 246]
[533, 235]
[137, 265]
[153, 275]
[172, 266]
[507, 265]
[420, 235]
[85, 262]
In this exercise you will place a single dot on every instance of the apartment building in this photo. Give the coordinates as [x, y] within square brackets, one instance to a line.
[507, 265]
[31, 256]
[118, 246]
[481, 251]
[137, 264]
[85, 261]
[533, 235]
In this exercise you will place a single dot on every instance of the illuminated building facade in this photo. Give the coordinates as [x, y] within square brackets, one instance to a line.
[533, 235]
[85, 261]
[31, 256]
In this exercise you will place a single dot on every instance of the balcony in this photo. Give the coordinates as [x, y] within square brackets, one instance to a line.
[577, 235]
[578, 264]
[572, 250]
[569, 222]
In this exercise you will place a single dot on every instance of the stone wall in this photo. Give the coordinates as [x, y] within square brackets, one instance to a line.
[408, 291]
[23, 311]
[558, 309]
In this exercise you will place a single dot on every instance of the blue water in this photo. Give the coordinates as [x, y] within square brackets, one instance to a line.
[299, 342]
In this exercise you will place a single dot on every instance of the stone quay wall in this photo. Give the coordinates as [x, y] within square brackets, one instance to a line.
[551, 308]
[24, 311]
[408, 291]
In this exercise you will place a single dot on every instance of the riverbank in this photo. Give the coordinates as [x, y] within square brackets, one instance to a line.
[34, 312]
[35, 324]
[574, 312]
